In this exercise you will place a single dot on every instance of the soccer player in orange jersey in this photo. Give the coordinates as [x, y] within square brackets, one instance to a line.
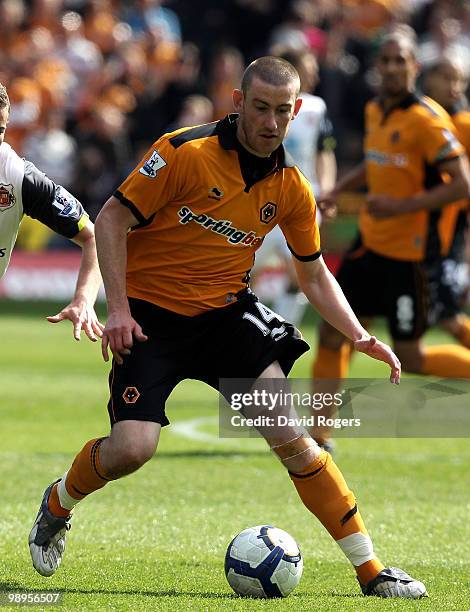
[446, 82]
[175, 243]
[414, 165]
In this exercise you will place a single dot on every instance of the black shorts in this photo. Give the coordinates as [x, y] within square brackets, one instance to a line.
[379, 286]
[236, 341]
[448, 277]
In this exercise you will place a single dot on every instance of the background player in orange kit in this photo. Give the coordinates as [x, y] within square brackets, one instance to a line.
[446, 82]
[408, 148]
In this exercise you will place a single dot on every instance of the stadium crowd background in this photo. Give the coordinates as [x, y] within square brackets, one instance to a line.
[94, 82]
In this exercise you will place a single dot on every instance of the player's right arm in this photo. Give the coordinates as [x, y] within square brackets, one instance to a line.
[111, 227]
[154, 182]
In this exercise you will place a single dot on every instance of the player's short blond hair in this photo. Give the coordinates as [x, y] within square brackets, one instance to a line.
[272, 70]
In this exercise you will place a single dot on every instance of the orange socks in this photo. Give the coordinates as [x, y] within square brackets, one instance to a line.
[331, 364]
[449, 361]
[324, 492]
[85, 476]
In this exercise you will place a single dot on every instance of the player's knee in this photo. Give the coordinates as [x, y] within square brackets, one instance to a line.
[130, 458]
[298, 453]
[330, 338]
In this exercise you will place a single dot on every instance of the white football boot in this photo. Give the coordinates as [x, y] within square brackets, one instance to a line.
[394, 582]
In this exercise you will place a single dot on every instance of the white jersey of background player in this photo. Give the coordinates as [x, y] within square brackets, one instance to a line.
[311, 143]
[26, 190]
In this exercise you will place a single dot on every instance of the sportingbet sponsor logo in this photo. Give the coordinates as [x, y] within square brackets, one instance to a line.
[387, 159]
[222, 227]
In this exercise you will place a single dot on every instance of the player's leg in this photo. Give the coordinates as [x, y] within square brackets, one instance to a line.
[407, 296]
[324, 491]
[273, 346]
[451, 294]
[453, 285]
[138, 392]
[128, 447]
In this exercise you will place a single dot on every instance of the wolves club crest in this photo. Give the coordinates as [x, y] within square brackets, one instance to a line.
[268, 212]
[7, 198]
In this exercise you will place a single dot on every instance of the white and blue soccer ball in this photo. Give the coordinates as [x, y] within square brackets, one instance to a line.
[263, 561]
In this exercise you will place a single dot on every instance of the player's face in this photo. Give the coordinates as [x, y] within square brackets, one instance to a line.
[265, 113]
[447, 85]
[3, 123]
[397, 68]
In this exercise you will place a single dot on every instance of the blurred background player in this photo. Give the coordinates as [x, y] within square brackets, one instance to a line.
[446, 81]
[408, 147]
[26, 190]
[311, 140]
[311, 143]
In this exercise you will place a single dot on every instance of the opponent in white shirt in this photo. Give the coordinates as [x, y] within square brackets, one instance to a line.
[24, 190]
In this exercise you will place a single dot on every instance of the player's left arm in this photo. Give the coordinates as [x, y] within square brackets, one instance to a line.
[457, 188]
[324, 293]
[81, 310]
[55, 207]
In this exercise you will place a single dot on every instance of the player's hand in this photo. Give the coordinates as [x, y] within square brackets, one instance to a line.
[119, 334]
[327, 205]
[83, 316]
[382, 206]
[381, 351]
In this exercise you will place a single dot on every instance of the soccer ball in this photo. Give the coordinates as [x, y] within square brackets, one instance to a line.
[263, 561]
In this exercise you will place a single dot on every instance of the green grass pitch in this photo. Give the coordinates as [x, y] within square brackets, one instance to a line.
[156, 540]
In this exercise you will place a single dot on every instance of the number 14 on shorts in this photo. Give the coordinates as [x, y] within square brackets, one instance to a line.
[268, 316]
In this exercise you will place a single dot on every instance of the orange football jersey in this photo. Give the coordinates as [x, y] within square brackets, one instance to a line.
[201, 222]
[448, 221]
[403, 150]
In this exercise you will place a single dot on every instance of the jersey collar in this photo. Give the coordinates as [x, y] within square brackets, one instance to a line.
[226, 130]
[410, 99]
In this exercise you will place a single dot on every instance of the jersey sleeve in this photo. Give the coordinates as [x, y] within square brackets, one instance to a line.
[299, 225]
[154, 182]
[326, 135]
[462, 123]
[436, 137]
[51, 204]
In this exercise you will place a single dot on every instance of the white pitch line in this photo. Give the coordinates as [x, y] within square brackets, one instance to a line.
[190, 429]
